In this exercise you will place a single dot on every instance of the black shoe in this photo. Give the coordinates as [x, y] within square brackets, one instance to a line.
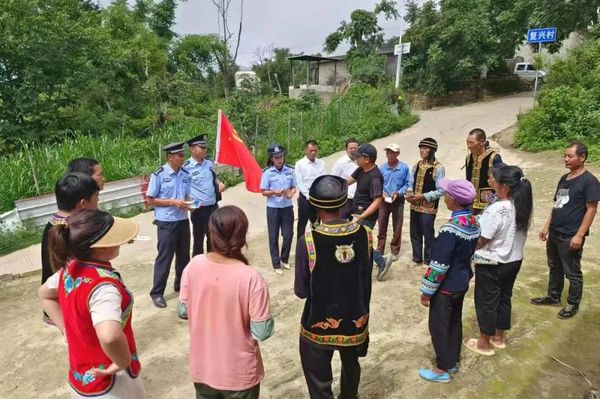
[159, 301]
[545, 300]
[568, 311]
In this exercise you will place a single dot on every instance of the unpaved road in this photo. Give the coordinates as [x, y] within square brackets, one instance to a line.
[33, 357]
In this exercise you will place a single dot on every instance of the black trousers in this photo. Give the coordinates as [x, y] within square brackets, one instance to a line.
[204, 391]
[563, 262]
[316, 364]
[445, 327]
[199, 219]
[173, 240]
[306, 212]
[421, 228]
[493, 295]
[280, 219]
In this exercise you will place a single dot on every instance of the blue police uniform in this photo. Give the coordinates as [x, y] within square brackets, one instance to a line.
[205, 193]
[173, 230]
[280, 211]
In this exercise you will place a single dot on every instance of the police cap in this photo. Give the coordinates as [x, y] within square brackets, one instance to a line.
[173, 148]
[199, 140]
[275, 150]
[328, 192]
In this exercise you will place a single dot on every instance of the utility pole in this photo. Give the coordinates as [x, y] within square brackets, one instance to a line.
[399, 62]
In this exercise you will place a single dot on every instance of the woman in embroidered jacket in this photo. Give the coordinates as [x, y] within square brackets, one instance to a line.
[88, 302]
[499, 255]
[446, 280]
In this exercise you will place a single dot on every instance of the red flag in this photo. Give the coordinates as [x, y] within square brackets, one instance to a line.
[232, 151]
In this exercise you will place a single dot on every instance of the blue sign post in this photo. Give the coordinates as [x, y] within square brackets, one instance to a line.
[539, 36]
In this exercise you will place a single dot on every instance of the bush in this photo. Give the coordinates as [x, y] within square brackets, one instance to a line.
[569, 106]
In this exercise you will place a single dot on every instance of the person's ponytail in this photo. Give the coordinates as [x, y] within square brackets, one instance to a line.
[520, 193]
[58, 245]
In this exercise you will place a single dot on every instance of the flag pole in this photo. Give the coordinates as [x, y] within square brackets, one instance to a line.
[218, 136]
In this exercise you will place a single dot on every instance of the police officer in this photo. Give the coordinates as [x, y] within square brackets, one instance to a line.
[278, 184]
[333, 272]
[206, 191]
[168, 190]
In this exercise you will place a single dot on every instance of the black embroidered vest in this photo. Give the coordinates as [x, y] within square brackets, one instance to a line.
[478, 169]
[336, 311]
[424, 182]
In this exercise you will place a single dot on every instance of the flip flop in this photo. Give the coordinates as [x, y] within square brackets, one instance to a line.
[471, 344]
[497, 345]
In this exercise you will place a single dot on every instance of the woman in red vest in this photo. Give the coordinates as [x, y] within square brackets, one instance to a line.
[87, 300]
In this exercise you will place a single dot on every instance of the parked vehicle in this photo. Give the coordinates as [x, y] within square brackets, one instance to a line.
[527, 72]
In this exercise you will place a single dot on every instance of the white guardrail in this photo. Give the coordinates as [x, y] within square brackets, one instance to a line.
[120, 194]
[116, 195]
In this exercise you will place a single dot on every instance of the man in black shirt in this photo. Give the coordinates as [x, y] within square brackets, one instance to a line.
[369, 192]
[575, 205]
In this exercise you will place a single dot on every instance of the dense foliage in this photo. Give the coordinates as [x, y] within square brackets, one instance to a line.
[454, 41]
[363, 112]
[569, 106]
[68, 68]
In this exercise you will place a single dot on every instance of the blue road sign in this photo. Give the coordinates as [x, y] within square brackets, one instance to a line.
[541, 35]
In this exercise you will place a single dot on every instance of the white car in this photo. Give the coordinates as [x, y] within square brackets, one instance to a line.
[526, 71]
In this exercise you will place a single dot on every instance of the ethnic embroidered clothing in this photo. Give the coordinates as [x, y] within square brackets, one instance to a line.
[477, 169]
[426, 177]
[333, 272]
[450, 266]
[77, 283]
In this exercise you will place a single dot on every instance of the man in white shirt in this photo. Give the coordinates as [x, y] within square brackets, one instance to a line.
[307, 170]
[344, 167]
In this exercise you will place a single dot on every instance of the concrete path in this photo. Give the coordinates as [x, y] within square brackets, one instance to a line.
[448, 126]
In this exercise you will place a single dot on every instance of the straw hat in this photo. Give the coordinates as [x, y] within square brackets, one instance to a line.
[115, 233]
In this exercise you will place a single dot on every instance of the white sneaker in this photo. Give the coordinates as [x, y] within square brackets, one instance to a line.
[285, 265]
[278, 271]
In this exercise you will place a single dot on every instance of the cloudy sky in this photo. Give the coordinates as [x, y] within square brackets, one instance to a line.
[300, 25]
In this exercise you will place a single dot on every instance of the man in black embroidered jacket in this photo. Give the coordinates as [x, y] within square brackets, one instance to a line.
[337, 288]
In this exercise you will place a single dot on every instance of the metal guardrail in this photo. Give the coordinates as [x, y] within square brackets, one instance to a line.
[119, 194]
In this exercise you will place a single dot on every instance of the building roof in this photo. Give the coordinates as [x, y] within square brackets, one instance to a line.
[311, 58]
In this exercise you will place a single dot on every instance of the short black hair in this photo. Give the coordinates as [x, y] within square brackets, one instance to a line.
[479, 133]
[351, 140]
[580, 148]
[72, 188]
[310, 142]
[82, 165]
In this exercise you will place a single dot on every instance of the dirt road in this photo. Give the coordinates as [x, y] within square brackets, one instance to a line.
[34, 361]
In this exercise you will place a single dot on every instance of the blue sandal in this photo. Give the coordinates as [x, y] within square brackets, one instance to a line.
[431, 376]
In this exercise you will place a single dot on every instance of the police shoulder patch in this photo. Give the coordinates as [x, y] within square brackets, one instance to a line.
[289, 166]
[186, 163]
[157, 171]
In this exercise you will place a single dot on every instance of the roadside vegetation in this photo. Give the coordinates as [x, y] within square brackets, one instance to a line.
[569, 106]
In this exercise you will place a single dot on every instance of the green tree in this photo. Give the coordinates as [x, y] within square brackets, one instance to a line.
[363, 32]
[273, 70]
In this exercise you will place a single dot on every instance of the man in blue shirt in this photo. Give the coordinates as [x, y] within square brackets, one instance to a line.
[396, 181]
[206, 191]
[168, 190]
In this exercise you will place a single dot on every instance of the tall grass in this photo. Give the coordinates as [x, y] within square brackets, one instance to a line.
[363, 112]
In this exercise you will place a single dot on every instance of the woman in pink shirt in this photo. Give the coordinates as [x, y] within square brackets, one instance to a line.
[228, 312]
